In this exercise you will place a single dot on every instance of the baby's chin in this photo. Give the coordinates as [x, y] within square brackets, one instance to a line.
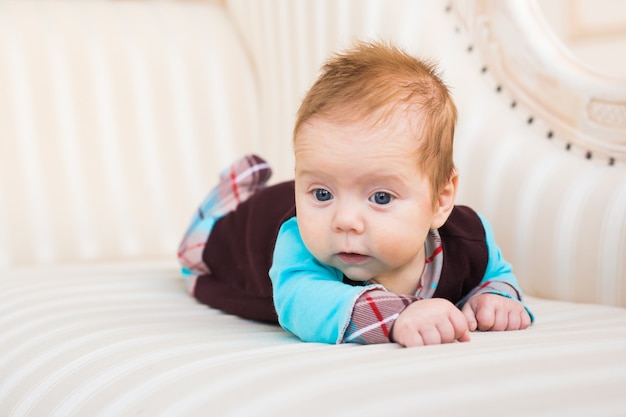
[357, 274]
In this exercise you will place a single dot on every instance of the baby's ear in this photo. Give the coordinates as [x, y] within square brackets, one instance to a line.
[445, 201]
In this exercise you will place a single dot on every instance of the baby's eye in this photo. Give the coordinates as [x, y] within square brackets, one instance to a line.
[321, 194]
[381, 198]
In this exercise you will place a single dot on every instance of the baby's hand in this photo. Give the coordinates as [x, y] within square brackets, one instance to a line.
[430, 322]
[495, 312]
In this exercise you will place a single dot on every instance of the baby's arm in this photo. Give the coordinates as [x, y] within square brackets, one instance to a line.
[374, 315]
[310, 298]
[497, 303]
[380, 317]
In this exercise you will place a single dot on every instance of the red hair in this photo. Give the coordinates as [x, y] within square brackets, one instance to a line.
[375, 79]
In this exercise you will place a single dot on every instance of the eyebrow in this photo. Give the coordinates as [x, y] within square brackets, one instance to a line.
[371, 177]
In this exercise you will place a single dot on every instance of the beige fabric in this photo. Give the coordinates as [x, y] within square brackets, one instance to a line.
[115, 118]
[126, 340]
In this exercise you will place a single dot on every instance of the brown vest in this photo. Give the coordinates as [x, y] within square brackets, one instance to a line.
[240, 248]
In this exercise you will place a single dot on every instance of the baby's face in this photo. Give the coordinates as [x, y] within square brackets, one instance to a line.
[362, 204]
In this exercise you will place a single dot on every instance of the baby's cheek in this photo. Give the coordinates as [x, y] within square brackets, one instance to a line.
[313, 238]
[396, 247]
[403, 237]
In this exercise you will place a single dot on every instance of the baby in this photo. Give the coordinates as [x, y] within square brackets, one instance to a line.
[367, 244]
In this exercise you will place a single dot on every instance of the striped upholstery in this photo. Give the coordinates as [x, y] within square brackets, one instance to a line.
[113, 125]
[121, 341]
[117, 116]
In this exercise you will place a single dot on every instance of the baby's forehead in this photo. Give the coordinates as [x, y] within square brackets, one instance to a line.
[357, 141]
[391, 121]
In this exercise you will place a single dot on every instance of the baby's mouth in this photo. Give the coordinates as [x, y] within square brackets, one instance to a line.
[352, 258]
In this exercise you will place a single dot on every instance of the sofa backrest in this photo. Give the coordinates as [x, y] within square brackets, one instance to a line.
[115, 118]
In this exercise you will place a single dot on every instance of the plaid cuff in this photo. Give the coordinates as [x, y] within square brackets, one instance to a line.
[501, 288]
[374, 315]
[493, 287]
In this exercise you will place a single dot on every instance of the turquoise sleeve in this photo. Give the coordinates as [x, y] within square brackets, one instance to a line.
[311, 299]
[499, 270]
[497, 267]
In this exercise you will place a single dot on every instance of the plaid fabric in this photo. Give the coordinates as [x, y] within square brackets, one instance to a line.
[432, 265]
[373, 316]
[494, 287]
[375, 312]
[237, 183]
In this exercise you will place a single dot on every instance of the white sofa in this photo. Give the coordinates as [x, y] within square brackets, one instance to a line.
[117, 116]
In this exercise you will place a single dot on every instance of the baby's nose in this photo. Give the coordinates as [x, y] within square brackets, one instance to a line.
[348, 219]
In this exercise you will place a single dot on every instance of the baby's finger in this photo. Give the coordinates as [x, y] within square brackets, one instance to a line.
[525, 320]
[501, 320]
[486, 317]
[461, 326]
[470, 317]
[414, 340]
[430, 336]
[406, 336]
[514, 320]
[447, 332]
